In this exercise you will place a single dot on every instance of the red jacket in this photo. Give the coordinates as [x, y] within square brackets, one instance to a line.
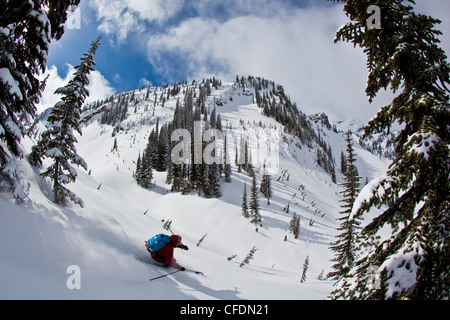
[165, 255]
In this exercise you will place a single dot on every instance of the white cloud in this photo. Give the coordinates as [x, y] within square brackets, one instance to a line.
[294, 48]
[271, 39]
[99, 88]
[145, 82]
[123, 17]
[115, 18]
[234, 8]
[438, 9]
[117, 78]
[155, 10]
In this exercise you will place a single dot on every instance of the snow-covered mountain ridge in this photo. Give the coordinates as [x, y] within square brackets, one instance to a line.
[105, 239]
[381, 144]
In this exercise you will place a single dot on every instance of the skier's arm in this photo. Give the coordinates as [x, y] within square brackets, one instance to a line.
[182, 246]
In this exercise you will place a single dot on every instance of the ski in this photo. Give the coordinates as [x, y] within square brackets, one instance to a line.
[164, 275]
[173, 272]
[197, 272]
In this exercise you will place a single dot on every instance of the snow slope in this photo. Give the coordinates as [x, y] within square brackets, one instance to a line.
[105, 239]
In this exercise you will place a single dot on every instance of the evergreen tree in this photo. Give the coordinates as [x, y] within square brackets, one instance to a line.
[205, 181]
[177, 179]
[163, 149]
[404, 54]
[137, 174]
[167, 224]
[244, 202]
[344, 246]
[214, 179]
[266, 188]
[201, 239]
[343, 163]
[227, 162]
[219, 123]
[248, 257]
[115, 147]
[241, 160]
[213, 119]
[236, 159]
[213, 172]
[147, 95]
[286, 209]
[27, 28]
[152, 147]
[58, 142]
[254, 203]
[145, 174]
[305, 269]
[294, 225]
[186, 180]
[249, 161]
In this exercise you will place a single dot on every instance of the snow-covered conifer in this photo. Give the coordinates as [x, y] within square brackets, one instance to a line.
[244, 202]
[305, 269]
[145, 173]
[266, 188]
[254, 203]
[344, 246]
[58, 142]
[248, 257]
[227, 162]
[404, 54]
[214, 179]
[26, 29]
[294, 225]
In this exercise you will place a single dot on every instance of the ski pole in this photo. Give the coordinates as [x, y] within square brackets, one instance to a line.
[165, 275]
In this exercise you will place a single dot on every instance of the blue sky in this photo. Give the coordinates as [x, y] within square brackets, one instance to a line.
[162, 41]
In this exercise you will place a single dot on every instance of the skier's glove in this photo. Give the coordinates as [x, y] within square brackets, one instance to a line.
[186, 248]
[182, 269]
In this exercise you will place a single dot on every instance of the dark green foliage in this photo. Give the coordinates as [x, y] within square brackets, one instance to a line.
[144, 170]
[344, 246]
[305, 269]
[27, 30]
[404, 55]
[254, 203]
[231, 257]
[116, 112]
[248, 257]
[201, 240]
[194, 174]
[227, 162]
[266, 187]
[58, 142]
[343, 163]
[294, 225]
[244, 202]
[167, 224]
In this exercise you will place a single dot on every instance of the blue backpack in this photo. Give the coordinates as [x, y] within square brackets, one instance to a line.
[157, 242]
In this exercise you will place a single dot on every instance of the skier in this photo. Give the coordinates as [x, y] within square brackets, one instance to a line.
[165, 254]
